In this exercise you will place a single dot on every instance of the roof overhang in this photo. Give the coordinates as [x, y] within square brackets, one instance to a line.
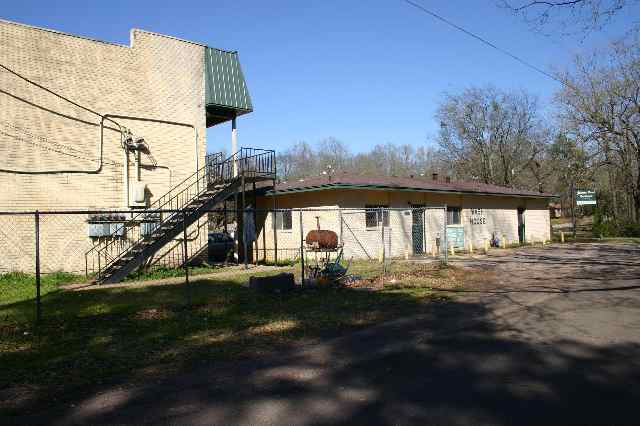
[226, 93]
[337, 185]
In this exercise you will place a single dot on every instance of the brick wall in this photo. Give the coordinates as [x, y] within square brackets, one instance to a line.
[155, 77]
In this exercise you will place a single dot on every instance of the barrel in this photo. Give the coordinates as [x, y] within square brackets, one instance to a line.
[322, 239]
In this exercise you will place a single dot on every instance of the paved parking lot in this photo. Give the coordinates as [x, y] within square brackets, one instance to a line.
[552, 338]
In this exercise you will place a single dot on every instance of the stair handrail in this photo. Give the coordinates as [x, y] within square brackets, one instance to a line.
[158, 203]
[153, 209]
[252, 161]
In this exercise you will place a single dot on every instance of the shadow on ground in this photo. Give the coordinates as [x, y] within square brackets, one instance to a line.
[452, 362]
[450, 366]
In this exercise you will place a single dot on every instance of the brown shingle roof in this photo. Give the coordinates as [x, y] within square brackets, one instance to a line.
[317, 183]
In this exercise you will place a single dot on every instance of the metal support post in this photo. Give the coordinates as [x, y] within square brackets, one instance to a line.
[573, 209]
[301, 250]
[273, 222]
[224, 218]
[236, 237]
[341, 226]
[424, 233]
[234, 145]
[255, 222]
[185, 257]
[446, 239]
[37, 241]
[384, 263]
[244, 240]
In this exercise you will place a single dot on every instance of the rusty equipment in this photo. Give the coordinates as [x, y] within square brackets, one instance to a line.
[322, 240]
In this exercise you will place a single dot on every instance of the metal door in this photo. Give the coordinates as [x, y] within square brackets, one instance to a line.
[521, 225]
[417, 228]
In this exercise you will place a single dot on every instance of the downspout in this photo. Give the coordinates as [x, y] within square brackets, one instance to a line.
[138, 165]
[126, 177]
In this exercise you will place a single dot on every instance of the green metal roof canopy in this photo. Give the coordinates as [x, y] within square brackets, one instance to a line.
[226, 93]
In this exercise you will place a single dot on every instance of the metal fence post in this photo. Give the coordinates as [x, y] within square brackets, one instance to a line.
[384, 261]
[273, 223]
[424, 232]
[341, 239]
[37, 241]
[185, 257]
[445, 239]
[301, 250]
[244, 225]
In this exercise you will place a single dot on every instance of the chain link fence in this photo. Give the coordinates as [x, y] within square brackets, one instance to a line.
[317, 244]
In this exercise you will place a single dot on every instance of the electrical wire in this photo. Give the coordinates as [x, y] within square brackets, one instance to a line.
[49, 90]
[58, 95]
[485, 41]
[57, 148]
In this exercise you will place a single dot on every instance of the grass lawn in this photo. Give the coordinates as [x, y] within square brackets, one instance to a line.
[90, 337]
[18, 286]
[163, 272]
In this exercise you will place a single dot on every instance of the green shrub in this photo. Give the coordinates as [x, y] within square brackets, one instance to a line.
[605, 227]
[630, 229]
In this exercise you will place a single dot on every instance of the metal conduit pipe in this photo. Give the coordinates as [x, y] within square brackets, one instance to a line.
[92, 171]
[100, 148]
[172, 123]
[151, 120]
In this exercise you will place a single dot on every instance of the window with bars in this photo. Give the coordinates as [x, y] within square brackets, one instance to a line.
[284, 220]
[454, 215]
[375, 217]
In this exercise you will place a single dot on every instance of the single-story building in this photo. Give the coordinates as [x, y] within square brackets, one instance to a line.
[409, 211]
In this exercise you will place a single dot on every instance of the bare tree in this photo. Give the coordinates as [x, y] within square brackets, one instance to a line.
[491, 135]
[299, 160]
[570, 16]
[303, 160]
[600, 103]
[333, 153]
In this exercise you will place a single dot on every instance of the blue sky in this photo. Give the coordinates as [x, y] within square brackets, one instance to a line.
[364, 72]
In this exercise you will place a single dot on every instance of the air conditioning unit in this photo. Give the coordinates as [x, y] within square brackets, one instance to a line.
[98, 230]
[106, 225]
[117, 229]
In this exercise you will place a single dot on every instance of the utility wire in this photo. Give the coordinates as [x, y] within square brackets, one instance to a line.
[483, 40]
[49, 90]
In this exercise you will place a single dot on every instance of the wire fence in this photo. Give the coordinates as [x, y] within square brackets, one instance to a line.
[319, 243]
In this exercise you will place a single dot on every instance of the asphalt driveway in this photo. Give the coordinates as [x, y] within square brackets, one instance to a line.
[554, 338]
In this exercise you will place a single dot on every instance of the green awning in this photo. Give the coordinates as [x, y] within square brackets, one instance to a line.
[226, 93]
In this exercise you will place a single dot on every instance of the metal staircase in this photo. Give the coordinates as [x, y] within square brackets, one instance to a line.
[135, 241]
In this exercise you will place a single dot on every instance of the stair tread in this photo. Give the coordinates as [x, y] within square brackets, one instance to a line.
[120, 266]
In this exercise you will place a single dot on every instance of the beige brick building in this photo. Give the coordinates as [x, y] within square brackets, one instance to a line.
[67, 103]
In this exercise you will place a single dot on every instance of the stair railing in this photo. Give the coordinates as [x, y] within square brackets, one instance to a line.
[146, 225]
[141, 224]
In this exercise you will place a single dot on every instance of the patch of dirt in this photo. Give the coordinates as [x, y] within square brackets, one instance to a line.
[154, 314]
[434, 278]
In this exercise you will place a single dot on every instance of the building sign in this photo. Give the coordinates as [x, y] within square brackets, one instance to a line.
[586, 198]
[477, 217]
[455, 236]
